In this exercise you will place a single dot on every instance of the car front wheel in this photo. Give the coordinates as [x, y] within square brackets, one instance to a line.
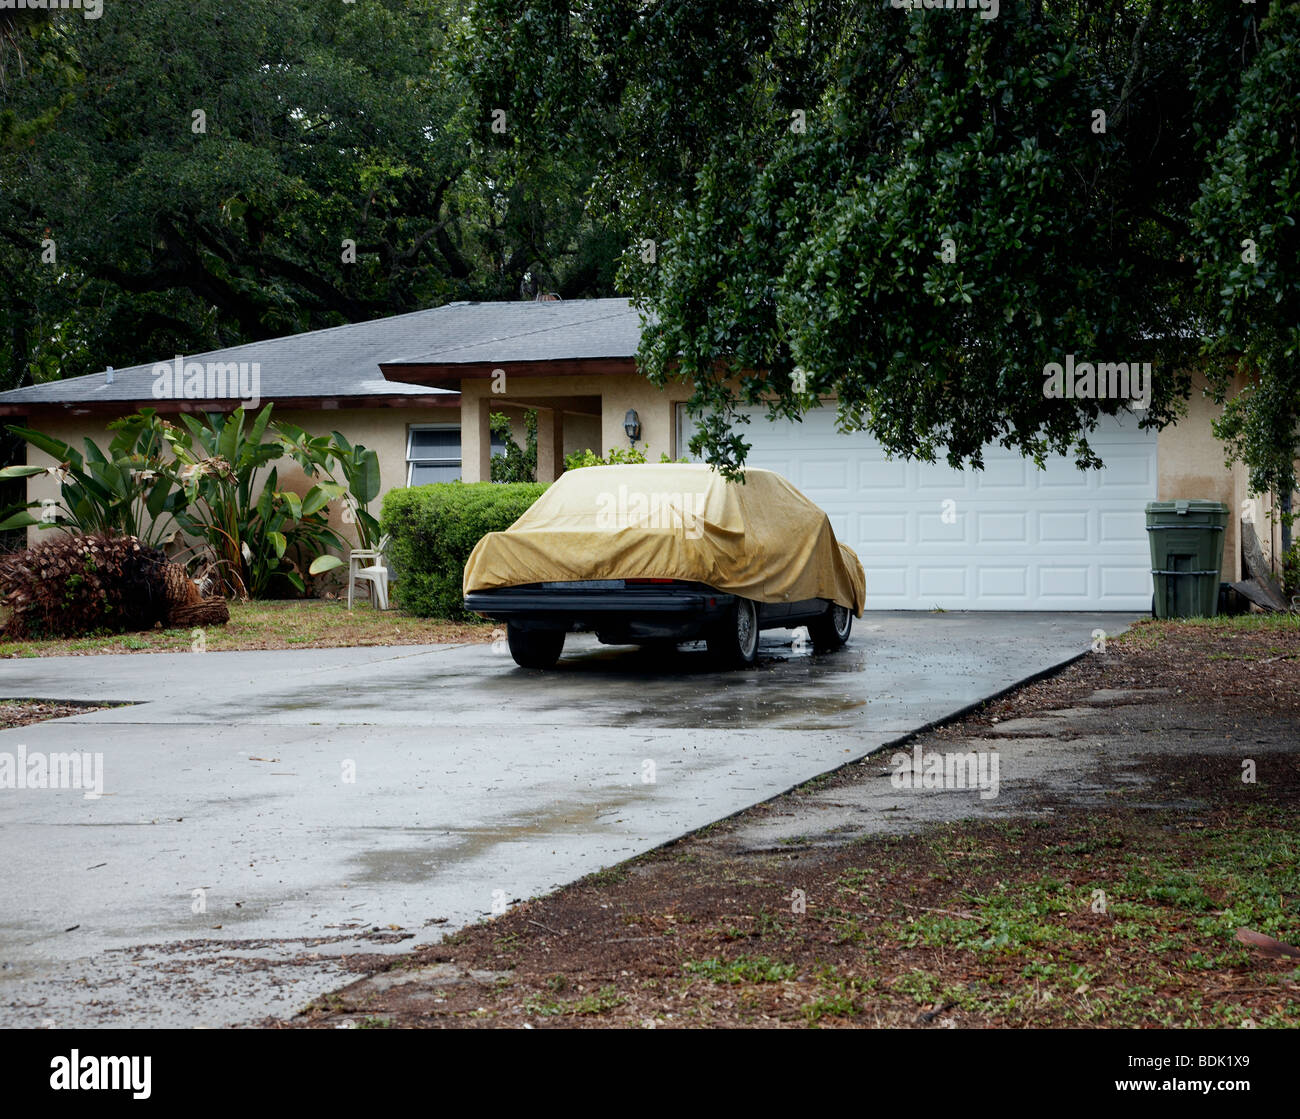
[734, 640]
[832, 629]
[534, 648]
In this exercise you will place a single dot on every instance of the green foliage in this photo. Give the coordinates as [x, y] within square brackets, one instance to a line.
[743, 969]
[911, 210]
[517, 464]
[1291, 572]
[434, 528]
[324, 122]
[257, 531]
[1250, 259]
[617, 457]
[128, 490]
[214, 480]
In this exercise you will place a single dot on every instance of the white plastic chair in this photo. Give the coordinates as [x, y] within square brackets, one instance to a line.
[367, 564]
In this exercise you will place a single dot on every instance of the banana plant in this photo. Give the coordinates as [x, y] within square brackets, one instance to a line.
[257, 539]
[330, 456]
[129, 490]
[360, 467]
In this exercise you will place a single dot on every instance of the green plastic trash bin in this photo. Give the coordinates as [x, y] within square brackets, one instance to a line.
[1186, 556]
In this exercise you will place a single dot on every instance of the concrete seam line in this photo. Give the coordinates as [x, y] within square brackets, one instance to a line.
[962, 712]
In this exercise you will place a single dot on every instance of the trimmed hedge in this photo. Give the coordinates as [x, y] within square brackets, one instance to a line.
[434, 528]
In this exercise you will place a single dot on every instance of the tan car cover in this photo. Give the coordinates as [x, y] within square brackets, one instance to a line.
[761, 539]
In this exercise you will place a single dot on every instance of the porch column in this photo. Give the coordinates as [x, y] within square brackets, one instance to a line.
[475, 439]
[550, 444]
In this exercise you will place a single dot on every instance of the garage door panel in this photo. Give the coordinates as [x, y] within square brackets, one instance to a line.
[823, 474]
[1001, 474]
[931, 528]
[1125, 470]
[1126, 582]
[937, 479]
[1119, 528]
[882, 528]
[1064, 583]
[1056, 527]
[1003, 582]
[876, 473]
[1001, 527]
[888, 585]
[943, 582]
[1062, 475]
[1016, 537]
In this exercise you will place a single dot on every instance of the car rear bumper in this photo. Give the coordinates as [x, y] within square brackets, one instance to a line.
[648, 612]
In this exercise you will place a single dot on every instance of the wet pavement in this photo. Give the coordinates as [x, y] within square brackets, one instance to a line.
[269, 816]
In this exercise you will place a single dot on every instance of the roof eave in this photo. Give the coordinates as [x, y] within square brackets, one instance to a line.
[331, 403]
[451, 374]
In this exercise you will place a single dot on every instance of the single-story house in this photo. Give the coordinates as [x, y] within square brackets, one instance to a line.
[419, 389]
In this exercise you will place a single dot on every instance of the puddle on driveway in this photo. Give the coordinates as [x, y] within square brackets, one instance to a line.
[616, 686]
[444, 847]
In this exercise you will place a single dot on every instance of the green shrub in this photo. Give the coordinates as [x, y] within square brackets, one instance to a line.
[631, 456]
[516, 464]
[434, 528]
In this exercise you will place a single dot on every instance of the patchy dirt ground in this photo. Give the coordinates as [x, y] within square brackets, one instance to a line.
[1151, 808]
[24, 712]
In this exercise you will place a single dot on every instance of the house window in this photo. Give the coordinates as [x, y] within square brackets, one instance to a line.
[433, 453]
[685, 429]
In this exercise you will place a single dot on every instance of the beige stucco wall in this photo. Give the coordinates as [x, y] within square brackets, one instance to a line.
[581, 433]
[1191, 465]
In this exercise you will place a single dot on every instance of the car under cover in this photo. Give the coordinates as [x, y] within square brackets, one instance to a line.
[760, 539]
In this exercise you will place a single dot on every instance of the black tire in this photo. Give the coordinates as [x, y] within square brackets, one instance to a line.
[734, 640]
[534, 648]
[832, 629]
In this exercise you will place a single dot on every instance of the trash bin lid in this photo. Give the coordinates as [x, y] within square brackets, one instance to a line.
[1187, 505]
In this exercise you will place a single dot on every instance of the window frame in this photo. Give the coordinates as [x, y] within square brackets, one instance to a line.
[494, 448]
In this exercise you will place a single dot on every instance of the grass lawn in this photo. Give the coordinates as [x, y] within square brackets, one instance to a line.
[300, 624]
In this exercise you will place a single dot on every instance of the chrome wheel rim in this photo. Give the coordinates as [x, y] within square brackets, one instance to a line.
[746, 628]
[840, 620]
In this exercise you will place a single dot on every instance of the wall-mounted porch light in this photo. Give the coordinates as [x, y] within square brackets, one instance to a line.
[632, 425]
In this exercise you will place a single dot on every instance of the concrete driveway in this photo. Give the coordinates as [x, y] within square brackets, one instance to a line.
[270, 820]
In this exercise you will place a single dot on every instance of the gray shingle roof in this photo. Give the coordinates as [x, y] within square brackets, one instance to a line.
[526, 331]
[345, 360]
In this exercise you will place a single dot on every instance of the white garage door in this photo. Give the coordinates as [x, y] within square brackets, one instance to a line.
[1010, 537]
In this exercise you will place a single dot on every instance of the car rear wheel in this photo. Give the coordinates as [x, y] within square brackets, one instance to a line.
[534, 648]
[832, 629]
[734, 640]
